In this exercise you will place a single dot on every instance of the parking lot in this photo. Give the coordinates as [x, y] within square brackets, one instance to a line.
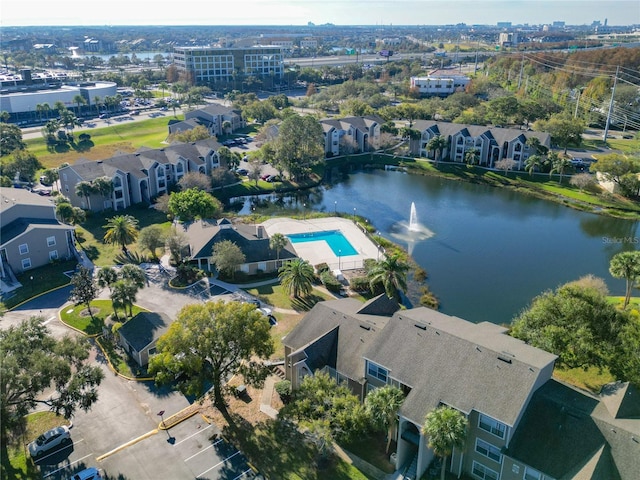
[120, 437]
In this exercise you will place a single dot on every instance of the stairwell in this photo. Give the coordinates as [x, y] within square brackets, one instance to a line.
[412, 471]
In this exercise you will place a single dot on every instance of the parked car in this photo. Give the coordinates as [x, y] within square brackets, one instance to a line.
[273, 178]
[87, 474]
[54, 438]
[242, 171]
[265, 176]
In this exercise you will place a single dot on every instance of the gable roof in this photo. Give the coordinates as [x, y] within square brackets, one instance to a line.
[25, 225]
[344, 332]
[144, 328]
[467, 366]
[204, 234]
[500, 135]
[557, 435]
[10, 197]
[359, 123]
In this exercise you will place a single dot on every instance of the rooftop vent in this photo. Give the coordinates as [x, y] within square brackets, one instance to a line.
[420, 326]
[504, 359]
[365, 327]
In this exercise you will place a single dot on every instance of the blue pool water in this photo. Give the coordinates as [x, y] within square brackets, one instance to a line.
[334, 238]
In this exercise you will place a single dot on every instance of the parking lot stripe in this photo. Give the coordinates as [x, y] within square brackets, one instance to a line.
[203, 450]
[190, 436]
[242, 474]
[218, 464]
[66, 466]
[125, 445]
[55, 452]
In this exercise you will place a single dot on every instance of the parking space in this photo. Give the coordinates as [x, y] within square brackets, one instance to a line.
[62, 463]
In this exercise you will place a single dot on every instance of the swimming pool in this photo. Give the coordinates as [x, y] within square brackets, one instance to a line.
[334, 238]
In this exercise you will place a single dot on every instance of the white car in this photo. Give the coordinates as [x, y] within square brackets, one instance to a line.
[87, 474]
[50, 440]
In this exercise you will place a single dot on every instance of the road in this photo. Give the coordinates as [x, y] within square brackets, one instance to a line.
[119, 434]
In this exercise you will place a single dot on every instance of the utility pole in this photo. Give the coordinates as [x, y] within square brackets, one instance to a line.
[613, 92]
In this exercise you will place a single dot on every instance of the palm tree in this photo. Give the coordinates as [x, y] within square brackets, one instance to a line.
[383, 404]
[559, 165]
[446, 429]
[277, 242]
[472, 156]
[42, 108]
[626, 265]
[163, 86]
[85, 189]
[134, 274]
[534, 162]
[79, 101]
[437, 144]
[103, 186]
[391, 272]
[121, 230]
[297, 277]
[107, 276]
[124, 294]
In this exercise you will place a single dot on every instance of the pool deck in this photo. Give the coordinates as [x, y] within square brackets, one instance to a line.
[319, 252]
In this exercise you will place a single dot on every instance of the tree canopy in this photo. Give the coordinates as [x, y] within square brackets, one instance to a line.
[299, 145]
[446, 429]
[626, 265]
[207, 343]
[576, 322]
[121, 230]
[85, 288]
[297, 277]
[227, 257]
[382, 405]
[330, 411]
[193, 204]
[391, 273]
[32, 362]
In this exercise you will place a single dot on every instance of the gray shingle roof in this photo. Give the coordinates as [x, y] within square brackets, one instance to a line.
[557, 435]
[203, 235]
[467, 366]
[350, 334]
[18, 196]
[24, 225]
[500, 135]
[144, 328]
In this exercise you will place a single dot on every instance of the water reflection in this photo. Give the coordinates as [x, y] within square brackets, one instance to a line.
[494, 250]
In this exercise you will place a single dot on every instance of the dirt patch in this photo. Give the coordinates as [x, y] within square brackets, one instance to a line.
[247, 406]
[85, 313]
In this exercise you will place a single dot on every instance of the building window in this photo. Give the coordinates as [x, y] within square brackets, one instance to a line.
[24, 249]
[377, 372]
[480, 471]
[53, 255]
[26, 263]
[490, 425]
[488, 450]
[152, 351]
[531, 474]
[51, 241]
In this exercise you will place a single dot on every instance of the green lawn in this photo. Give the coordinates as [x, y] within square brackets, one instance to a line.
[123, 136]
[276, 296]
[79, 318]
[90, 235]
[17, 463]
[591, 379]
[44, 279]
[280, 451]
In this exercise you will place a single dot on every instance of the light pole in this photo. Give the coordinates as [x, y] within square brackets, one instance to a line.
[354, 214]
[335, 207]
[339, 259]
[31, 278]
[304, 211]
[161, 415]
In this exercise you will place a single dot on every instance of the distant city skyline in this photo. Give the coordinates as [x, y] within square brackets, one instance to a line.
[300, 12]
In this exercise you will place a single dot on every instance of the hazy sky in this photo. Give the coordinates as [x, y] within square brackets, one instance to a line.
[299, 12]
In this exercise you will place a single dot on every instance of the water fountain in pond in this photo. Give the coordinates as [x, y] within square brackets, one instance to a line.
[413, 219]
[411, 232]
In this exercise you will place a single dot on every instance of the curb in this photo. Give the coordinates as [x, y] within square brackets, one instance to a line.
[125, 445]
[178, 417]
[112, 368]
[36, 296]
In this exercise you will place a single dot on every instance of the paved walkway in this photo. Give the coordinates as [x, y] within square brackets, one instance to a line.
[267, 393]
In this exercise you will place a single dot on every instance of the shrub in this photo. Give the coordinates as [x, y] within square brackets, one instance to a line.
[359, 284]
[322, 267]
[330, 282]
[420, 275]
[283, 389]
[428, 299]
